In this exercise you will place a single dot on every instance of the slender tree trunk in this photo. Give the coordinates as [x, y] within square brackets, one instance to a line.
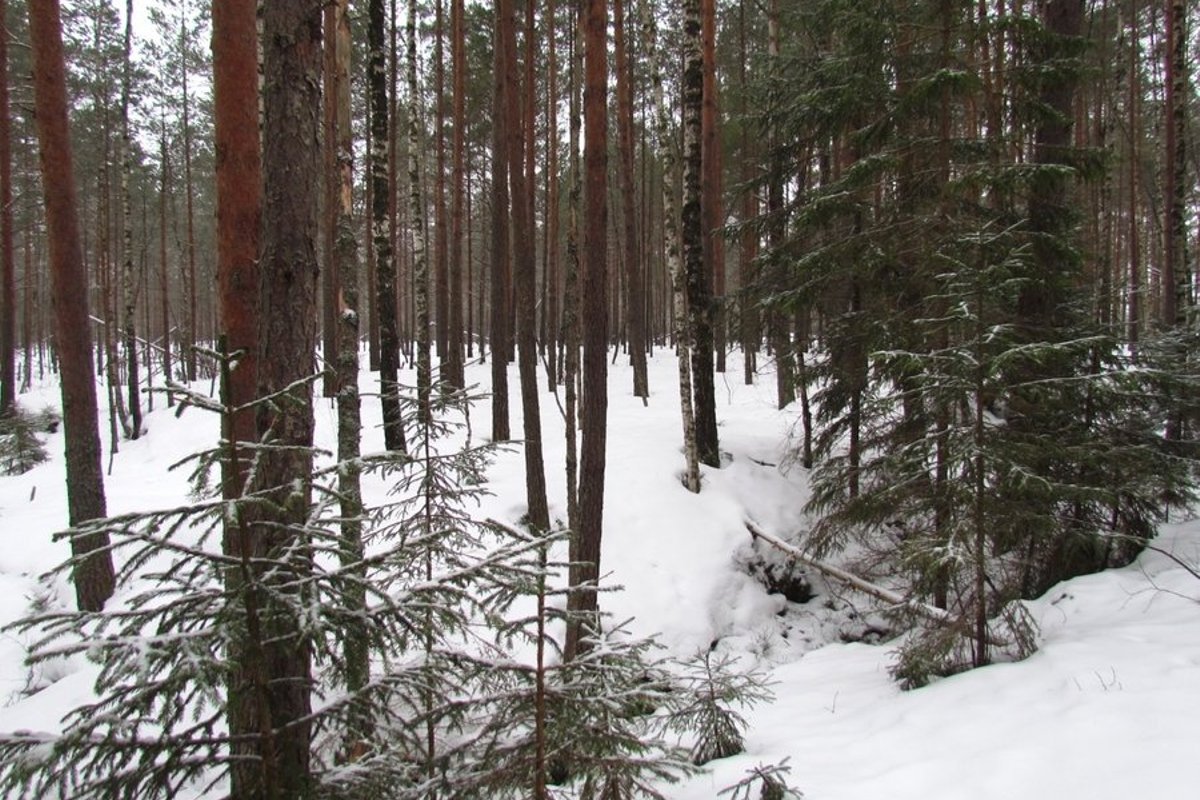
[711, 183]
[190, 193]
[164, 285]
[385, 265]
[698, 292]
[681, 323]
[524, 278]
[777, 324]
[551, 279]
[452, 371]
[8, 267]
[331, 178]
[440, 260]
[1176, 279]
[1134, 319]
[355, 645]
[93, 571]
[747, 268]
[128, 276]
[416, 206]
[634, 295]
[570, 317]
[501, 123]
[585, 569]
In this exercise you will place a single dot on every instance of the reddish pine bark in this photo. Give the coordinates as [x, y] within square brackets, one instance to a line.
[93, 574]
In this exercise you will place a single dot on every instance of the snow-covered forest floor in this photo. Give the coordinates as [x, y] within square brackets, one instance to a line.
[1107, 708]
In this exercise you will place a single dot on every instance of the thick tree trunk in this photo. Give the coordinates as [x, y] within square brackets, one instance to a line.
[287, 343]
[585, 569]
[551, 279]
[93, 572]
[239, 183]
[239, 186]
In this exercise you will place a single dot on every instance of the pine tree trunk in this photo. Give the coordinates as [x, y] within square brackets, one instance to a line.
[499, 335]
[634, 296]
[239, 214]
[440, 260]
[287, 343]
[1134, 319]
[711, 193]
[747, 269]
[164, 285]
[8, 267]
[190, 336]
[550, 341]
[239, 222]
[355, 645]
[570, 317]
[331, 179]
[93, 573]
[524, 278]
[453, 372]
[594, 321]
[128, 276]
[1176, 279]
[777, 325]
[385, 265]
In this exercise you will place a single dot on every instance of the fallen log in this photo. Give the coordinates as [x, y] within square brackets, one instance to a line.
[932, 613]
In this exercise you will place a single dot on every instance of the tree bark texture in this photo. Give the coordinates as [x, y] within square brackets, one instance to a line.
[594, 319]
[635, 311]
[499, 333]
[93, 573]
[385, 263]
[287, 342]
[681, 326]
[8, 267]
[699, 294]
[524, 279]
[239, 186]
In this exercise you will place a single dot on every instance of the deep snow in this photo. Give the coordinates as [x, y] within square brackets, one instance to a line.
[1107, 708]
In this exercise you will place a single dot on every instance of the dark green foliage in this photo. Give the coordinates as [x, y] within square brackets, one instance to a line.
[974, 426]
[20, 448]
[771, 780]
[167, 648]
[711, 693]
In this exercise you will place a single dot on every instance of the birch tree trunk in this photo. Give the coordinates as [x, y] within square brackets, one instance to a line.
[681, 323]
